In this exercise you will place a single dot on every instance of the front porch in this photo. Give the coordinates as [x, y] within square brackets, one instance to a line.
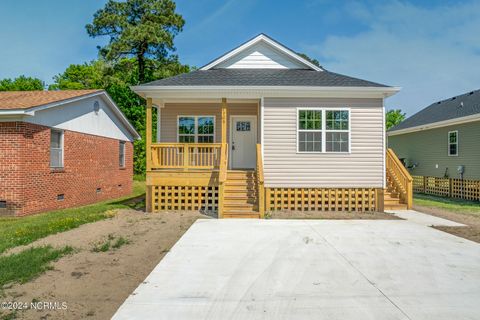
[214, 177]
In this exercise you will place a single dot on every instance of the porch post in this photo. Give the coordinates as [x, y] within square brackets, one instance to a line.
[159, 125]
[148, 134]
[224, 120]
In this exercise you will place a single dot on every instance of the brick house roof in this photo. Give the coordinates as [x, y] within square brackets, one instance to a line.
[14, 100]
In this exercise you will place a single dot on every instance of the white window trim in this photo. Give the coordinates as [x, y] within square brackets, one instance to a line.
[449, 143]
[123, 144]
[324, 129]
[62, 148]
[195, 135]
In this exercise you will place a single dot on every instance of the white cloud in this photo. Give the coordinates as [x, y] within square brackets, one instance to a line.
[432, 53]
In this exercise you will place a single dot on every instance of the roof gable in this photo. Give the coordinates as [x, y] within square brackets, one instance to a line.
[261, 52]
[458, 107]
[20, 104]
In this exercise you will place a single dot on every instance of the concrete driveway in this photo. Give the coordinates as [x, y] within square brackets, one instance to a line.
[315, 269]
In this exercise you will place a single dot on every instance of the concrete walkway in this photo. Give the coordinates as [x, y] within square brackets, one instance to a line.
[312, 269]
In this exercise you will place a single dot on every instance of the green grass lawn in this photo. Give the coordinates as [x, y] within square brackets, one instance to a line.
[454, 205]
[24, 266]
[16, 231]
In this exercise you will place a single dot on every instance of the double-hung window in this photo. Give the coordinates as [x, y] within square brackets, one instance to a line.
[196, 129]
[453, 143]
[337, 131]
[323, 130]
[56, 148]
[310, 130]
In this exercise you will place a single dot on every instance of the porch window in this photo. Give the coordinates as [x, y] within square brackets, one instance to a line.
[196, 129]
[453, 143]
[56, 148]
[323, 130]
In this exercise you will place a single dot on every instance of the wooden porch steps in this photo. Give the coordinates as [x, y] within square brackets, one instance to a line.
[240, 197]
[392, 200]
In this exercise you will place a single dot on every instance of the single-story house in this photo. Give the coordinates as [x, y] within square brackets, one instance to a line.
[60, 149]
[260, 129]
[442, 140]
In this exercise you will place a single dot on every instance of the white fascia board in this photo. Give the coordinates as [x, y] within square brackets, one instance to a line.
[256, 40]
[257, 92]
[16, 113]
[434, 125]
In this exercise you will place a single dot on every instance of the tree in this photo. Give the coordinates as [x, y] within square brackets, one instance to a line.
[394, 117]
[21, 83]
[141, 29]
[116, 79]
[312, 60]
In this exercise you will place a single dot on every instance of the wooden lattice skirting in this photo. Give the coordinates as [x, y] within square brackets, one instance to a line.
[448, 187]
[202, 198]
[317, 199]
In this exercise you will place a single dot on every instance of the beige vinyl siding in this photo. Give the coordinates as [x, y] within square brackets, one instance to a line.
[362, 167]
[429, 148]
[168, 122]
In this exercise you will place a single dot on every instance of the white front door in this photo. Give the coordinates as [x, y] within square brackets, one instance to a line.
[243, 141]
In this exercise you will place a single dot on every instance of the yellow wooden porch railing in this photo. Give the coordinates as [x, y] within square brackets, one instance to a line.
[185, 156]
[400, 176]
[260, 182]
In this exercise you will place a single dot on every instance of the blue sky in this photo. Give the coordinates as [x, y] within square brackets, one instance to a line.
[429, 48]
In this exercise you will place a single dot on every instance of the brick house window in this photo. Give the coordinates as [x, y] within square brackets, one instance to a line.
[121, 152]
[56, 148]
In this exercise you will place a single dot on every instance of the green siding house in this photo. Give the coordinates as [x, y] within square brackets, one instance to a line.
[442, 140]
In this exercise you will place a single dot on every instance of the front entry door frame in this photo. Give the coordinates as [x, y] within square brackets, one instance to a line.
[254, 120]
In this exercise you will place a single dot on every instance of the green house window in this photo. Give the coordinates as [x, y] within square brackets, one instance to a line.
[453, 143]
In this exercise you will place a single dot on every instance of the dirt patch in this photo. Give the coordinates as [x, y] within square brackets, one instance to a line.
[94, 284]
[332, 215]
[470, 232]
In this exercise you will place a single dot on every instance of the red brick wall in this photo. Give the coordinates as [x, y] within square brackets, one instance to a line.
[11, 148]
[29, 185]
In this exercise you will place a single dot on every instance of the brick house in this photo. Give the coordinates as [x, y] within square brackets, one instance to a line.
[61, 149]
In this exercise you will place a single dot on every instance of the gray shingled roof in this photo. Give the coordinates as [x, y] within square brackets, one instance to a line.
[263, 77]
[456, 107]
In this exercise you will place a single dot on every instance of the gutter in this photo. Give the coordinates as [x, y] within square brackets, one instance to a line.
[263, 91]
